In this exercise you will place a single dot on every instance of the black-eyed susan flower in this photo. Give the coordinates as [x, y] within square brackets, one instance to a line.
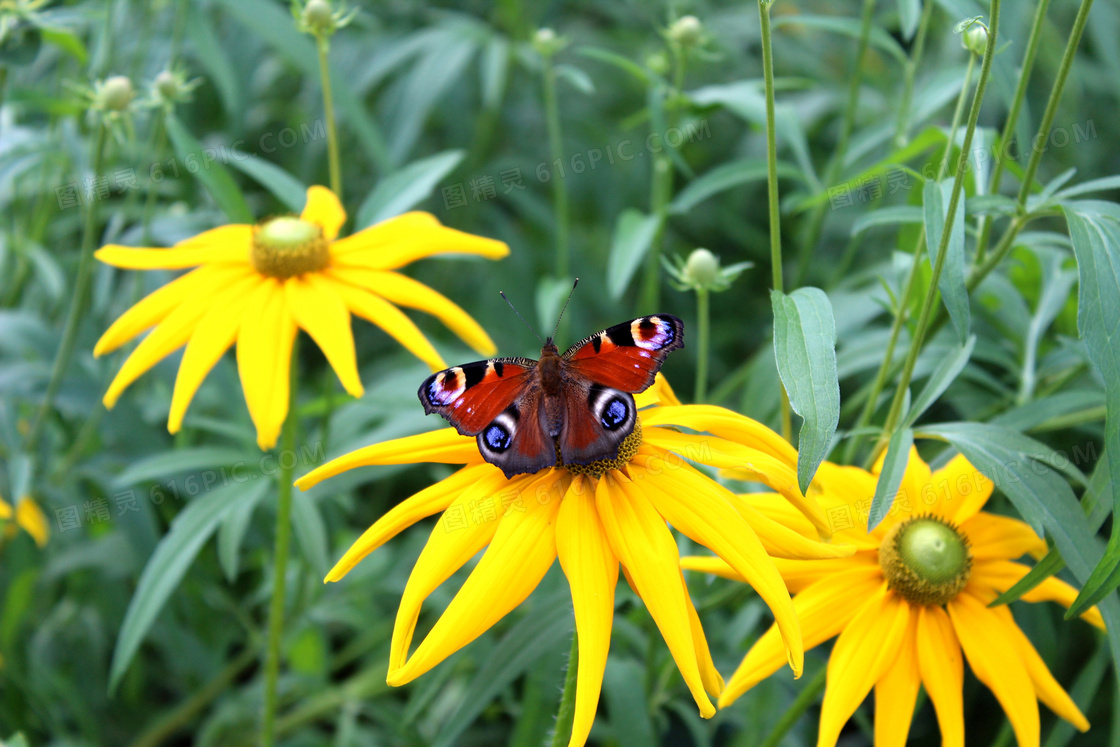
[27, 516]
[256, 286]
[913, 596]
[594, 518]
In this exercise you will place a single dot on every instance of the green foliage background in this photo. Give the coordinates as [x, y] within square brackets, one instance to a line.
[440, 96]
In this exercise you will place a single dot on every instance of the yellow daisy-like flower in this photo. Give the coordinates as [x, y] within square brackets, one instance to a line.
[911, 598]
[26, 515]
[258, 285]
[593, 518]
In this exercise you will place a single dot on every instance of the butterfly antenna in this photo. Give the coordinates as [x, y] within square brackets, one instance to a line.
[515, 311]
[573, 290]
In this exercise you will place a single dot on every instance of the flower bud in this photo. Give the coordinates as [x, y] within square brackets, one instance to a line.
[975, 39]
[318, 15]
[658, 63]
[702, 267]
[547, 43]
[687, 31]
[167, 85]
[115, 94]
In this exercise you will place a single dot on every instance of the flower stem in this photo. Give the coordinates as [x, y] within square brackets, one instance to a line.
[772, 183]
[78, 301]
[566, 713]
[704, 316]
[556, 146]
[280, 560]
[895, 411]
[903, 126]
[322, 43]
[805, 698]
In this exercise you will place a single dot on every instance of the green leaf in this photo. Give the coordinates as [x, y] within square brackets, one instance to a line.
[954, 291]
[633, 236]
[311, 532]
[578, 79]
[725, 177]
[622, 63]
[495, 72]
[213, 175]
[805, 351]
[890, 476]
[160, 466]
[629, 714]
[404, 189]
[909, 12]
[848, 27]
[939, 381]
[1050, 564]
[289, 190]
[232, 532]
[65, 40]
[1093, 185]
[169, 563]
[214, 58]
[888, 216]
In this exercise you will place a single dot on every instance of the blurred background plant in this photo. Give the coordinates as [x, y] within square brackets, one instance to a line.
[595, 139]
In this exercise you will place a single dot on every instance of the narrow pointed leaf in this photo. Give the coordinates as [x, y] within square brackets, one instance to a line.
[633, 235]
[209, 171]
[954, 292]
[939, 381]
[890, 476]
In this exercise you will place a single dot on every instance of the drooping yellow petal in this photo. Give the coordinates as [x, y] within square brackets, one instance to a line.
[1000, 575]
[823, 609]
[215, 332]
[897, 691]
[694, 505]
[658, 393]
[173, 332]
[225, 244]
[726, 424]
[782, 542]
[427, 502]
[389, 318]
[316, 308]
[264, 359]
[323, 209]
[404, 291]
[1045, 686]
[520, 553]
[864, 651]
[592, 570]
[969, 489]
[153, 308]
[644, 545]
[398, 242]
[467, 525]
[444, 446]
[34, 522]
[709, 675]
[5, 509]
[942, 670]
[719, 452]
[995, 537]
[996, 663]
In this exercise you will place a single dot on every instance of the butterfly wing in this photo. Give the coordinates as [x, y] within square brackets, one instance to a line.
[626, 356]
[597, 419]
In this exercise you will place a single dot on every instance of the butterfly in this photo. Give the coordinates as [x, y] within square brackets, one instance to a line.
[579, 404]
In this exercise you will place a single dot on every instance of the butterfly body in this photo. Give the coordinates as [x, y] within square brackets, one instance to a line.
[579, 404]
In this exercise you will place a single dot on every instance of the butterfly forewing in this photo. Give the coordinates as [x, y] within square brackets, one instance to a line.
[627, 356]
[472, 395]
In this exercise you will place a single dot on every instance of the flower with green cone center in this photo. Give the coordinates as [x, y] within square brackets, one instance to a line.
[288, 246]
[926, 560]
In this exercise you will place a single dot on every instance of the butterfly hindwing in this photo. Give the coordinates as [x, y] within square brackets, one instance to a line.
[597, 419]
[472, 395]
[515, 441]
[627, 356]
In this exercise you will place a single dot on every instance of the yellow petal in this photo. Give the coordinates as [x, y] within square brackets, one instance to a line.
[226, 244]
[444, 446]
[726, 424]
[823, 609]
[34, 522]
[212, 336]
[1045, 686]
[897, 691]
[996, 663]
[782, 542]
[399, 241]
[999, 576]
[721, 453]
[968, 489]
[703, 514]
[864, 651]
[942, 670]
[709, 675]
[172, 333]
[659, 393]
[404, 291]
[264, 359]
[520, 553]
[995, 537]
[389, 318]
[323, 209]
[427, 502]
[644, 545]
[153, 308]
[316, 307]
[5, 509]
[592, 571]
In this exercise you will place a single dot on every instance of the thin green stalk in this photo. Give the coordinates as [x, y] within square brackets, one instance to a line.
[280, 560]
[895, 411]
[78, 301]
[1012, 121]
[566, 713]
[772, 182]
[155, 149]
[556, 146]
[322, 43]
[847, 122]
[903, 127]
[703, 313]
[804, 700]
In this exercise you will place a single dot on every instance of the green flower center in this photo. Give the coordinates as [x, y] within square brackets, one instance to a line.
[626, 451]
[926, 560]
[287, 246]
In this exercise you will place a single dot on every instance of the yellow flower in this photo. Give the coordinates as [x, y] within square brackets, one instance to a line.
[594, 518]
[914, 594]
[258, 285]
[28, 516]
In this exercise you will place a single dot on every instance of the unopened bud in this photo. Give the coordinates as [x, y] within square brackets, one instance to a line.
[687, 31]
[702, 267]
[318, 15]
[115, 94]
[975, 39]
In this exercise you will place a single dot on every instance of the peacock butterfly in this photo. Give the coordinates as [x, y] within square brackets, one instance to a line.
[580, 403]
